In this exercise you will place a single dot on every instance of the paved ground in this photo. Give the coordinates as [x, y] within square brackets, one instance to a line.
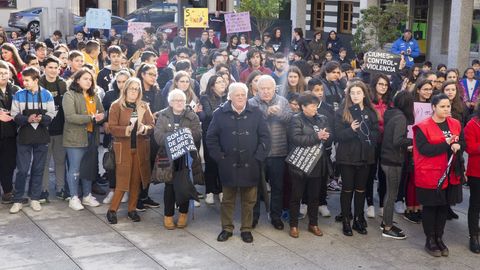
[60, 238]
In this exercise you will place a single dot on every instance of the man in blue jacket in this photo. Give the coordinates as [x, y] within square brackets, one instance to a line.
[407, 46]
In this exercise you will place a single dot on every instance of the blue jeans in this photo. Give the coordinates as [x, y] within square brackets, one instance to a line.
[24, 157]
[75, 155]
[273, 169]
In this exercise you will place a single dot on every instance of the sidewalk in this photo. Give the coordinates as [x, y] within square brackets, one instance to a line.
[60, 238]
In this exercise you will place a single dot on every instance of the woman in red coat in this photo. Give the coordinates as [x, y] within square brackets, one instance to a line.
[436, 139]
[472, 139]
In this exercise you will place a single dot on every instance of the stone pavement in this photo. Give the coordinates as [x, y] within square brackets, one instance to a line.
[60, 238]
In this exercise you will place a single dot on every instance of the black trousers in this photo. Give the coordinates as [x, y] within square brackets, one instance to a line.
[312, 187]
[169, 201]
[8, 157]
[434, 219]
[474, 205]
[354, 179]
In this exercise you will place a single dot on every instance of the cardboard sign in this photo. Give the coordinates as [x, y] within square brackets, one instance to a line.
[238, 22]
[98, 18]
[17, 42]
[422, 111]
[382, 62]
[136, 28]
[305, 158]
[179, 143]
[196, 18]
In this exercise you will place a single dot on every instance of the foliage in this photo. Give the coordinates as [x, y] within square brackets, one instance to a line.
[264, 11]
[378, 26]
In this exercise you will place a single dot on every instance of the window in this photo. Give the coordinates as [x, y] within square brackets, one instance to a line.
[318, 15]
[346, 12]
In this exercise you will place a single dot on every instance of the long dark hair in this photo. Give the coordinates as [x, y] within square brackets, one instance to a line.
[144, 67]
[17, 60]
[403, 101]
[457, 102]
[387, 97]
[418, 86]
[74, 86]
[210, 85]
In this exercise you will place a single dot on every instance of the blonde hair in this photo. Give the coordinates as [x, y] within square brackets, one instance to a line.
[189, 92]
[123, 92]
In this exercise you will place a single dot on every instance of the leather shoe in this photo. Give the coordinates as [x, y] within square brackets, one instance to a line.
[347, 229]
[474, 244]
[277, 224]
[247, 237]
[294, 232]
[112, 217]
[133, 215]
[223, 236]
[315, 230]
[358, 226]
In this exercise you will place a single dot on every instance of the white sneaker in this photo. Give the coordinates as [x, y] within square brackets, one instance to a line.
[196, 204]
[380, 212]
[16, 207]
[323, 209]
[35, 205]
[125, 197]
[220, 196]
[90, 201]
[371, 211]
[75, 203]
[399, 207]
[109, 198]
[209, 198]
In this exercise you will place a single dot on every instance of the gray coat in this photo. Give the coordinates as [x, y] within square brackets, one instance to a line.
[277, 124]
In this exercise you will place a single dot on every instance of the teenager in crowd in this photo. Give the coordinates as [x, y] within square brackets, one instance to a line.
[295, 82]
[470, 88]
[106, 75]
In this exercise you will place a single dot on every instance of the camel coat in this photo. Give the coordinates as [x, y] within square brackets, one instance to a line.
[119, 122]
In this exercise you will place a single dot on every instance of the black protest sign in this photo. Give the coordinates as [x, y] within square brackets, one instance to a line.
[382, 62]
[305, 158]
[179, 143]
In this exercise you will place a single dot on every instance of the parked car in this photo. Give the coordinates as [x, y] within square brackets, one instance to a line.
[26, 20]
[158, 14]
[118, 23]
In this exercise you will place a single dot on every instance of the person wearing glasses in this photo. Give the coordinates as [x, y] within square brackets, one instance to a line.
[130, 123]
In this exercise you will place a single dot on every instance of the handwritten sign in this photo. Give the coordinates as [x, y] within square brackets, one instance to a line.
[136, 28]
[196, 18]
[238, 22]
[305, 158]
[17, 42]
[422, 111]
[179, 143]
[99, 18]
[382, 62]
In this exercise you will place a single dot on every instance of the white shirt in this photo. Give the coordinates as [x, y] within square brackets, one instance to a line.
[471, 87]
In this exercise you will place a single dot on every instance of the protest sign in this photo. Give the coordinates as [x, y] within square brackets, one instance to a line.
[382, 62]
[179, 143]
[136, 28]
[305, 158]
[238, 22]
[422, 111]
[98, 18]
[196, 18]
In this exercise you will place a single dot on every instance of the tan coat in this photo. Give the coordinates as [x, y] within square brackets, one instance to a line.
[119, 122]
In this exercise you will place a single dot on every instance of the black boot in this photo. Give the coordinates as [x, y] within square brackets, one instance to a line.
[474, 244]
[431, 247]
[443, 248]
[347, 229]
[362, 220]
[112, 217]
[358, 226]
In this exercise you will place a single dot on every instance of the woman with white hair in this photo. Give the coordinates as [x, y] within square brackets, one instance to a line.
[177, 115]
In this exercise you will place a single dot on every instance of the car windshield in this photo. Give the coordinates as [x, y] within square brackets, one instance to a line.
[30, 10]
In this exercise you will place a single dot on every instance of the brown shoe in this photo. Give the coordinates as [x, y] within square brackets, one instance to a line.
[294, 232]
[182, 220]
[315, 230]
[168, 223]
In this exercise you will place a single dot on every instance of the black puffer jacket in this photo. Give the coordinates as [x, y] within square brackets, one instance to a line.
[353, 147]
[302, 131]
[395, 141]
[8, 129]
[58, 89]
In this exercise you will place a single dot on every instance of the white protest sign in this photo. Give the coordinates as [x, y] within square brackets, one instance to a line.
[136, 28]
[98, 18]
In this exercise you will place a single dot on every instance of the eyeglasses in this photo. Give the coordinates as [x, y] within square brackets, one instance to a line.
[134, 89]
[178, 100]
[152, 74]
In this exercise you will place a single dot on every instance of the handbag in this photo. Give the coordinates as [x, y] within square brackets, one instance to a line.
[109, 158]
[183, 186]
[162, 170]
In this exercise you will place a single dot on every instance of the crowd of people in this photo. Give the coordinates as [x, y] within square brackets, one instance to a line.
[248, 106]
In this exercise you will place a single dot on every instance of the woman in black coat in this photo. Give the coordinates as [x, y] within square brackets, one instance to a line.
[306, 129]
[356, 131]
[334, 43]
[212, 99]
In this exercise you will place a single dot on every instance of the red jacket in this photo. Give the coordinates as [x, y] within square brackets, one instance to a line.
[428, 170]
[472, 139]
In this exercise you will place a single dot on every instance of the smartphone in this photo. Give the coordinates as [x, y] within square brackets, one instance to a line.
[356, 112]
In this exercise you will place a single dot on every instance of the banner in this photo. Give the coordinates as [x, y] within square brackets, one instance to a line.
[136, 28]
[422, 111]
[98, 18]
[238, 22]
[382, 62]
[196, 18]
[179, 143]
[305, 158]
